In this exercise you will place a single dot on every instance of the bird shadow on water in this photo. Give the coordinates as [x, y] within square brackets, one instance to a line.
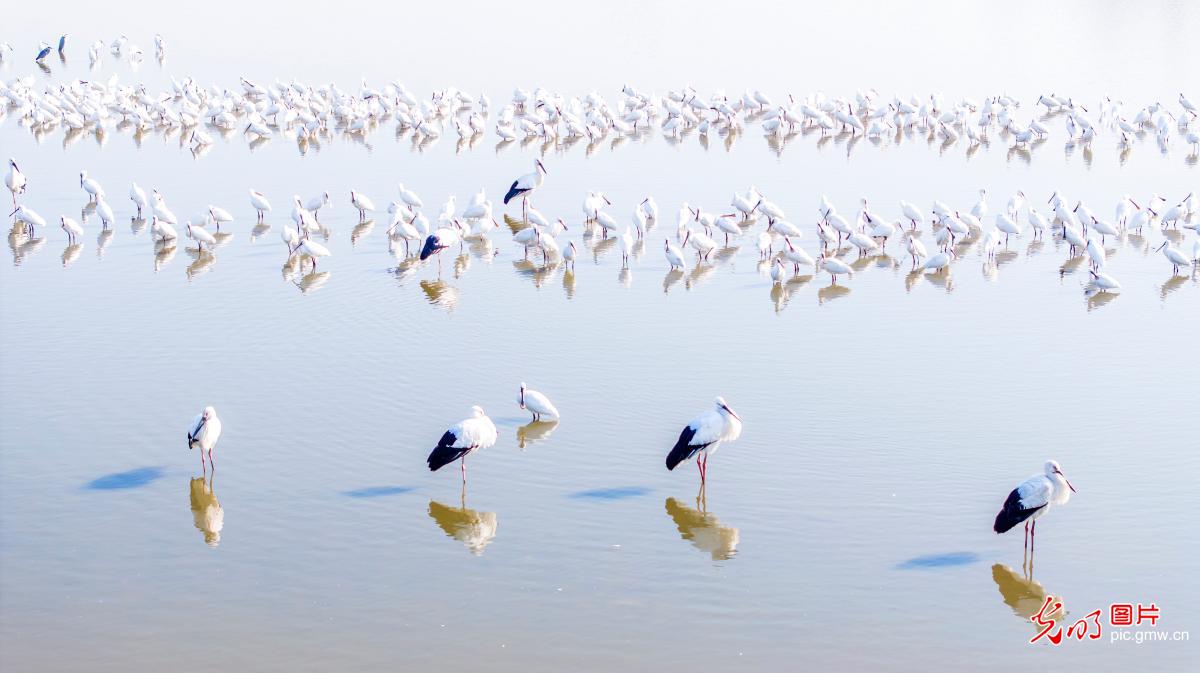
[617, 493]
[378, 491]
[125, 480]
[933, 561]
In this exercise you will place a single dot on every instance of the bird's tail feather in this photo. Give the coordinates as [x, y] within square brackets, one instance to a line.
[512, 192]
[683, 449]
[444, 455]
[1012, 513]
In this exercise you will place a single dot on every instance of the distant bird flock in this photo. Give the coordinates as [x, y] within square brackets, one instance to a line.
[310, 114]
[787, 238]
[695, 235]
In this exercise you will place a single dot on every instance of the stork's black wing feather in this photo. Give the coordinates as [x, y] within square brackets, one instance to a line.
[432, 245]
[445, 452]
[1012, 513]
[683, 448]
[513, 192]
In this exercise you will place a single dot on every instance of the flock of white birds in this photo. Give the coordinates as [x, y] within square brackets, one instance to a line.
[699, 233]
[309, 114]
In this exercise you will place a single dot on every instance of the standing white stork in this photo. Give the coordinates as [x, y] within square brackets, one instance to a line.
[462, 439]
[205, 432]
[524, 186]
[536, 403]
[705, 434]
[15, 180]
[1032, 498]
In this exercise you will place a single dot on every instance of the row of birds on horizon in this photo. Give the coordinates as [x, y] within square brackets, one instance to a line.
[308, 113]
[700, 230]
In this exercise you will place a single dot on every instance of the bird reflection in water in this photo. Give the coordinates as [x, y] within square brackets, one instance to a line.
[568, 281]
[472, 528]
[535, 431]
[203, 261]
[673, 276]
[207, 515]
[440, 293]
[312, 281]
[703, 529]
[1023, 594]
[831, 292]
[71, 253]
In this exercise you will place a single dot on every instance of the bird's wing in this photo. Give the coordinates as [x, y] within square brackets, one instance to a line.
[514, 190]
[701, 432]
[1035, 491]
[541, 402]
[197, 426]
[1027, 498]
[453, 445]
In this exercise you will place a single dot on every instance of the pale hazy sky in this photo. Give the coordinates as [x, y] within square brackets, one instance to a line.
[1131, 49]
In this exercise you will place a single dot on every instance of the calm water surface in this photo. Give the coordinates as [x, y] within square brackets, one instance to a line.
[850, 526]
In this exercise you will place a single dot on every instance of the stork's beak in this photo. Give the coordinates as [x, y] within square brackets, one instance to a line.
[1059, 472]
[731, 413]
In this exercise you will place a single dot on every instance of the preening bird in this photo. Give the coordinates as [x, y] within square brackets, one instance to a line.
[462, 439]
[204, 433]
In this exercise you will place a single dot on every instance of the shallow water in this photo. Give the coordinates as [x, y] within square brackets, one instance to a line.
[886, 419]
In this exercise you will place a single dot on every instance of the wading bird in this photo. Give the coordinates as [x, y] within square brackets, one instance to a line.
[525, 185]
[704, 435]
[462, 439]
[1031, 499]
[536, 403]
[204, 433]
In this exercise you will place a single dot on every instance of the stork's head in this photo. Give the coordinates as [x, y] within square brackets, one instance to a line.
[724, 408]
[1053, 469]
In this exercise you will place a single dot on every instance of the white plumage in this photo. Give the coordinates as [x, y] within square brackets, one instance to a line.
[260, 203]
[705, 433]
[204, 433]
[462, 439]
[536, 403]
[1032, 498]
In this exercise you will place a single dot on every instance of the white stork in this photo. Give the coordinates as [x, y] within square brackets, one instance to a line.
[1032, 498]
[462, 439]
[524, 186]
[704, 434]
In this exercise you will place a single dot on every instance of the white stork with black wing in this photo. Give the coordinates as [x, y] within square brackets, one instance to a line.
[462, 439]
[704, 434]
[1032, 498]
[524, 186]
